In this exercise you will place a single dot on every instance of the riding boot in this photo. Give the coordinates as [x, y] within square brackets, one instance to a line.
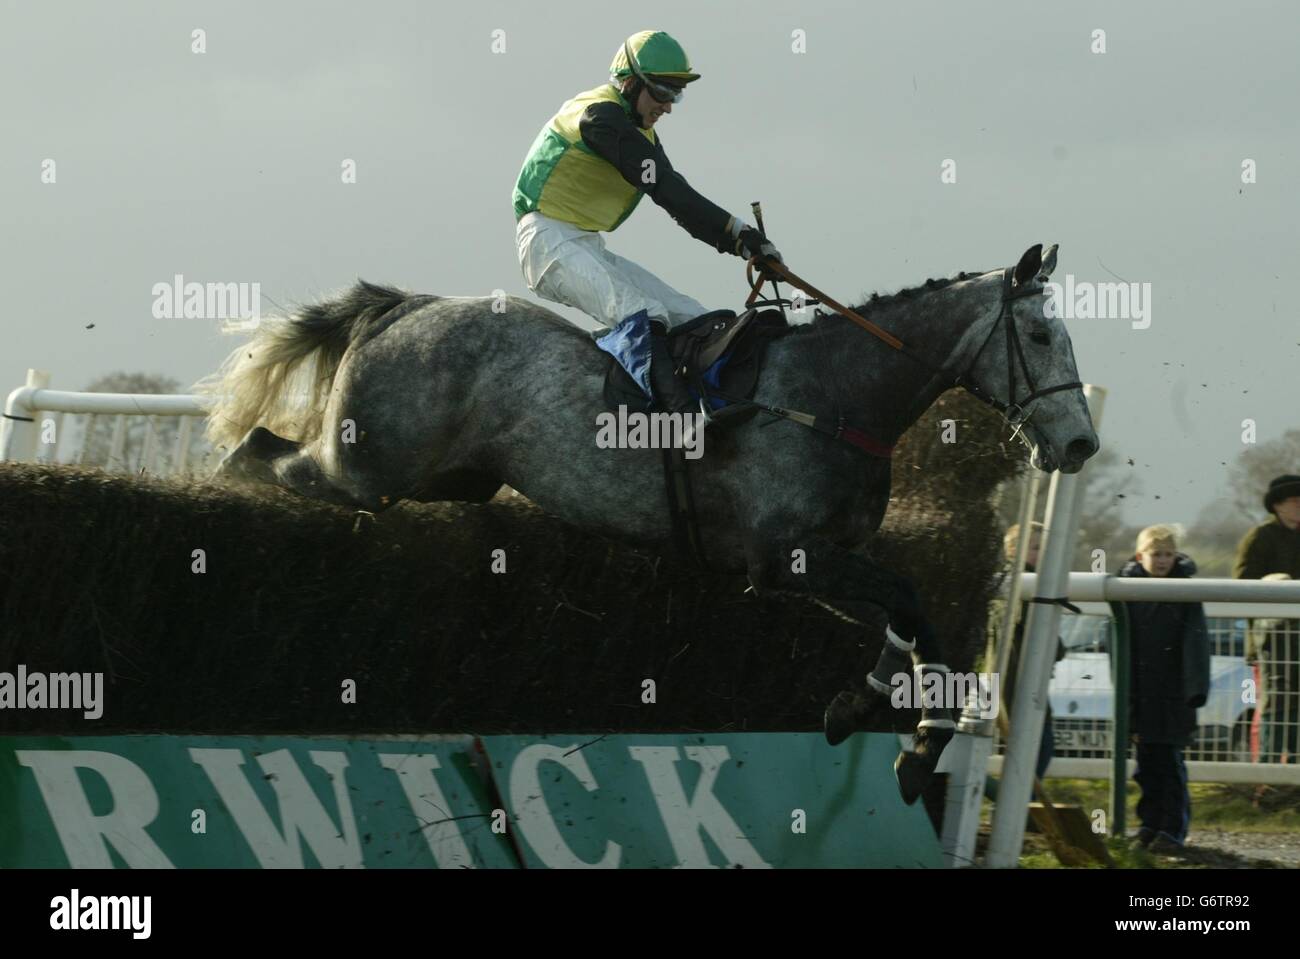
[669, 386]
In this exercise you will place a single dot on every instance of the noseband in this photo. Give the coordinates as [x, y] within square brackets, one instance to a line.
[1013, 409]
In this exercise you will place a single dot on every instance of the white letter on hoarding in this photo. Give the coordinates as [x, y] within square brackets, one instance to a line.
[535, 820]
[82, 833]
[300, 810]
[685, 818]
[428, 804]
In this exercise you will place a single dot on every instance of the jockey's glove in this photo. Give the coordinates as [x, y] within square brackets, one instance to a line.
[751, 243]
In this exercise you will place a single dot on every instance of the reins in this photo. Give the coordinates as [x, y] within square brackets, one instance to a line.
[774, 266]
[1014, 410]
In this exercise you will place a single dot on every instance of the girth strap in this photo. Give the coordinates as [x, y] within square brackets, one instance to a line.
[838, 431]
[681, 507]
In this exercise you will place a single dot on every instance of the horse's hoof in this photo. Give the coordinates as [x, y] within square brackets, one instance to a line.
[842, 717]
[912, 771]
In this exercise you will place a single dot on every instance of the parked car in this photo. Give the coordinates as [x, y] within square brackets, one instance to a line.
[1082, 692]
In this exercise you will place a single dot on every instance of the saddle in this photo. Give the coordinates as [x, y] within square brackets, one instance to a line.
[720, 354]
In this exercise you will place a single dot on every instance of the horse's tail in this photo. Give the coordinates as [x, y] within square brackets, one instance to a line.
[282, 378]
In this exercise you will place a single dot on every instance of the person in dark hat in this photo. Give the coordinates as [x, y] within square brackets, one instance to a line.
[1272, 551]
[1273, 546]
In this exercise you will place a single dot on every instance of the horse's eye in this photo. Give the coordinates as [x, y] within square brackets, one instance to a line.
[1038, 333]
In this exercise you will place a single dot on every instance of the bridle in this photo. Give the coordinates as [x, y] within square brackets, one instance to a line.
[1014, 410]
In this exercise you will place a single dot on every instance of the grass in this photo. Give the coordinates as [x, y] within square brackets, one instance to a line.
[1222, 805]
[1125, 855]
[1225, 806]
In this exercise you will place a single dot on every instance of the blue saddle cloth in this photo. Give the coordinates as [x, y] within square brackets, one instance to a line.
[629, 344]
[713, 377]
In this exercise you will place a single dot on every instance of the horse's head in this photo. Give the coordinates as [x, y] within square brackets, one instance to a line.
[1018, 359]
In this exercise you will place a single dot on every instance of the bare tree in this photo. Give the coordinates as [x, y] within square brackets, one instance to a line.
[1212, 540]
[97, 433]
[1250, 472]
[1219, 528]
[1109, 481]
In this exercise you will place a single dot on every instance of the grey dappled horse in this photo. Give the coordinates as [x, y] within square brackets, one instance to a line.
[444, 398]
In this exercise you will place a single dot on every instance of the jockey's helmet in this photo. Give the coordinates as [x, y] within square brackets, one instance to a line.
[658, 61]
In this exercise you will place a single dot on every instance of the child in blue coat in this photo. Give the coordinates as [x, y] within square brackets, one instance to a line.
[1169, 650]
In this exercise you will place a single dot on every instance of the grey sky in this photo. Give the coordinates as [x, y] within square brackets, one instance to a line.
[225, 167]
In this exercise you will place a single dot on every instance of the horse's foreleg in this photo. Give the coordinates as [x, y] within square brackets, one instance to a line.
[838, 575]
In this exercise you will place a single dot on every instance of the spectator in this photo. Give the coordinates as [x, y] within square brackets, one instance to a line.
[1271, 643]
[1272, 551]
[1273, 546]
[997, 613]
[1169, 650]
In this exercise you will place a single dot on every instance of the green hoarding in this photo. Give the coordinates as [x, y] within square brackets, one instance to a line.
[194, 801]
[743, 800]
[748, 800]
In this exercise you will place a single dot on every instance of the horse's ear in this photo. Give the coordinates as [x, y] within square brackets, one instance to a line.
[1048, 264]
[1028, 266]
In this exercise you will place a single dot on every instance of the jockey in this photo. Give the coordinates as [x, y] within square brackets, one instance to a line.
[585, 173]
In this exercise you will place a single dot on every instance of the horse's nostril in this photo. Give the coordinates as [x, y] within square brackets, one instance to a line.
[1080, 449]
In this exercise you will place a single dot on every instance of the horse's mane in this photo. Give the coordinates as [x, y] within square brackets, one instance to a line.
[878, 302]
[883, 302]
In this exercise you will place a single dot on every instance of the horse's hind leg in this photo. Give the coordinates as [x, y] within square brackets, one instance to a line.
[301, 472]
[250, 461]
[263, 457]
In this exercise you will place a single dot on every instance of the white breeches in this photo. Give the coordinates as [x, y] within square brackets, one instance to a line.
[571, 266]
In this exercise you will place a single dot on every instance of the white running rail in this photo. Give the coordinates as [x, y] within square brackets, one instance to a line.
[33, 425]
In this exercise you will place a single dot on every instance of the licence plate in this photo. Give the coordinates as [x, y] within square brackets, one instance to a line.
[1084, 740]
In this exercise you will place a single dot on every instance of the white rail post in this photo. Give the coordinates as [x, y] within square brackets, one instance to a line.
[181, 455]
[1010, 616]
[117, 445]
[1036, 659]
[149, 453]
[21, 432]
[966, 763]
[87, 434]
[972, 746]
[48, 452]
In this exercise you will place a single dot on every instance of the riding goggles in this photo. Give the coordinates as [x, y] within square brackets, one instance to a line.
[663, 93]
